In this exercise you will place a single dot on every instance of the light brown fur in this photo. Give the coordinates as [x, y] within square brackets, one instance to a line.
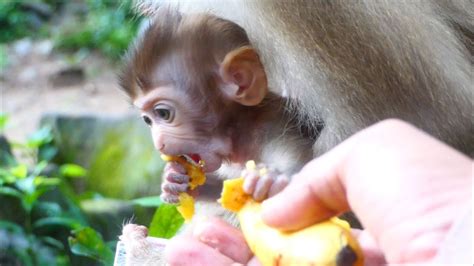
[354, 63]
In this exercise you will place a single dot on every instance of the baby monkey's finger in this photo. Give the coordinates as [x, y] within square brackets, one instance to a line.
[278, 185]
[250, 180]
[174, 167]
[262, 187]
[174, 188]
[177, 178]
[169, 198]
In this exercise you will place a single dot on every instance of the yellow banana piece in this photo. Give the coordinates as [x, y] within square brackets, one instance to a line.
[329, 243]
[196, 178]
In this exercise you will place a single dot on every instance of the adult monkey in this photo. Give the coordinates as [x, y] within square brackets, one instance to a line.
[358, 62]
[354, 63]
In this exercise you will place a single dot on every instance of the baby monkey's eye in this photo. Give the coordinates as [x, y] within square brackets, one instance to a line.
[163, 112]
[147, 120]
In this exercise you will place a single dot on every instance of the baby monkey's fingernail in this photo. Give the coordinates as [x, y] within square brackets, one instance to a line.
[250, 165]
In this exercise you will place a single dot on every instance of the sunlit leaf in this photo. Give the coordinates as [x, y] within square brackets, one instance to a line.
[6, 176]
[148, 201]
[28, 201]
[89, 243]
[72, 170]
[166, 221]
[26, 185]
[3, 119]
[40, 137]
[55, 221]
[39, 167]
[42, 181]
[20, 171]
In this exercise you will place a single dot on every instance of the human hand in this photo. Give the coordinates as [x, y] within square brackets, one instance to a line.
[406, 187]
[209, 242]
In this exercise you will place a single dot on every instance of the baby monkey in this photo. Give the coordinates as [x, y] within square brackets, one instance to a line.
[203, 91]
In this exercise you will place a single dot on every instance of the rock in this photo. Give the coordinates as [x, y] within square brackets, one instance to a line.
[68, 77]
[43, 47]
[28, 75]
[22, 47]
[91, 89]
[117, 151]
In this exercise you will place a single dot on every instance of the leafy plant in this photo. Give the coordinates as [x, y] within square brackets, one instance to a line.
[166, 221]
[88, 242]
[39, 209]
[23, 18]
[107, 26]
[3, 120]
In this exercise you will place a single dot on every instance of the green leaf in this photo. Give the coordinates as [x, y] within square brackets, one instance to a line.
[89, 243]
[12, 227]
[148, 201]
[26, 185]
[6, 176]
[58, 221]
[20, 171]
[47, 152]
[72, 170]
[10, 192]
[53, 242]
[40, 137]
[39, 168]
[3, 116]
[46, 182]
[166, 221]
[48, 209]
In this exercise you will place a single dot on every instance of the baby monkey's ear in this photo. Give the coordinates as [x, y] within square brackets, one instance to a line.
[242, 68]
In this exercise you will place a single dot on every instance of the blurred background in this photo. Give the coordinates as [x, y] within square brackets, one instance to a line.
[76, 161]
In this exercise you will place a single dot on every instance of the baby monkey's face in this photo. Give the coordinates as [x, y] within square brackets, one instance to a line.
[179, 126]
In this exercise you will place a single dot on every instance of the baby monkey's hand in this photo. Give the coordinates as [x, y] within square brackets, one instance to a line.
[175, 181]
[262, 182]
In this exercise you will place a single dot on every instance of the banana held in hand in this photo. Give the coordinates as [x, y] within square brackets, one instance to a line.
[196, 178]
[328, 243]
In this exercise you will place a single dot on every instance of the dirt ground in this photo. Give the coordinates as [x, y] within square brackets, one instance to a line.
[28, 90]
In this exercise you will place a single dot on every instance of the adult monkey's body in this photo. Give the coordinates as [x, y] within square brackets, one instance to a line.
[357, 62]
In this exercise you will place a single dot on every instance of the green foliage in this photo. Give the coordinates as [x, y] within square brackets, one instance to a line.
[42, 219]
[166, 222]
[3, 116]
[104, 25]
[32, 227]
[108, 26]
[154, 201]
[72, 170]
[39, 138]
[15, 21]
[87, 242]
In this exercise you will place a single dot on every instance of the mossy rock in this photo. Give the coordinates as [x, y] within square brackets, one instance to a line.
[117, 151]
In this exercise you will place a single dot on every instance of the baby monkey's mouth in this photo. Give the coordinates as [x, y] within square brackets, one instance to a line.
[194, 159]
